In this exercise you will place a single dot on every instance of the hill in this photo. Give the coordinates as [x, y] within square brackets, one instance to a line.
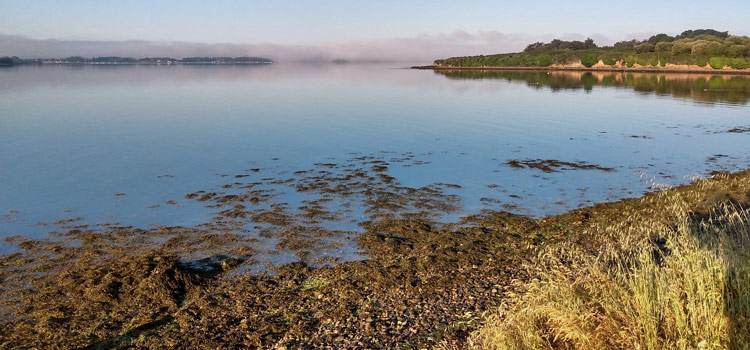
[702, 47]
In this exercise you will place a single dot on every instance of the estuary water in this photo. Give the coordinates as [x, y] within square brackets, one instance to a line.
[146, 146]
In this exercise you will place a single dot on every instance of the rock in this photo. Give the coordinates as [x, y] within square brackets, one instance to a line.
[229, 263]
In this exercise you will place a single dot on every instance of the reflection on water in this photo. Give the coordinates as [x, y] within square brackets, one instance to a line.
[700, 88]
[297, 158]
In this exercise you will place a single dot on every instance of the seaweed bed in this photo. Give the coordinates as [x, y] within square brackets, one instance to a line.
[422, 282]
[554, 165]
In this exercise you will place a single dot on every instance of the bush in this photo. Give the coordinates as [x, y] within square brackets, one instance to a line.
[565, 57]
[663, 47]
[645, 47]
[589, 60]
[738, 40]
[543, 60]
[739, 63]
[630, 61]
[663, 62]
[701, 61]
[738, 51]
[716, 62]
[681, 48]
[707, 48]
[654, 62]
[609, 61]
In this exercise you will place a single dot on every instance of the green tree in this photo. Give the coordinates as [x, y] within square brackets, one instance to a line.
[738, 51]
[681, 48]
[660, 38]
[707, 48]
[645, 47]
[663, 47]
[697, 32]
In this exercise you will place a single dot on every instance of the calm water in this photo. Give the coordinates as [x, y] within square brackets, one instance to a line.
[126, 144]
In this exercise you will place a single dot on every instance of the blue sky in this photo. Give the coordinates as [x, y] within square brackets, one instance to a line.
[416, 31]
[337, 21]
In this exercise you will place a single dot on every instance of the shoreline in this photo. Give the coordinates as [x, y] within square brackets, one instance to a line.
[422, 283]
[136, 64]
[583, 69]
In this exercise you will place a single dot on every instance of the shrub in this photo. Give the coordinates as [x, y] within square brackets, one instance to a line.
[663, 62]
[654, 62]
[716, 62]
[738, 51]
[681, 48]
[645, 47]
[738, 40]
[701, 61]
[739, 63]
[663, 47]
[589, 60]
[609, 61]
[565, 57]
[707, 48]
[629, 61]
[543, 60]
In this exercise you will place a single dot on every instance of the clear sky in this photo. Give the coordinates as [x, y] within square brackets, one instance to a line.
[414, 31]
[307, 22]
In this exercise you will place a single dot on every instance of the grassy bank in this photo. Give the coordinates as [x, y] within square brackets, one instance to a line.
[680, 281]
[706, 49]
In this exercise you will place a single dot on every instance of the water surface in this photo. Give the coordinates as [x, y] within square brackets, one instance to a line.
[127, 144]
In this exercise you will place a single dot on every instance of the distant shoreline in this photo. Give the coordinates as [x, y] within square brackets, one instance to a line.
[583, 69]
[131, 61]
[139, 64]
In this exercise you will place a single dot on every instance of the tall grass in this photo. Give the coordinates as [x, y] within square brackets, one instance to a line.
[668, 283]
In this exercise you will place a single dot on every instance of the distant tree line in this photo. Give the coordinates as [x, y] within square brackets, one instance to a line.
[699, 47]
[558, 44]
[6, 61]
[257, 60]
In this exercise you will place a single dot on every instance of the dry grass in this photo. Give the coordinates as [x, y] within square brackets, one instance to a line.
[658, 282]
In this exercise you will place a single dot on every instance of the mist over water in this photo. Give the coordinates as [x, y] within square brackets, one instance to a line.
[127, 144]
